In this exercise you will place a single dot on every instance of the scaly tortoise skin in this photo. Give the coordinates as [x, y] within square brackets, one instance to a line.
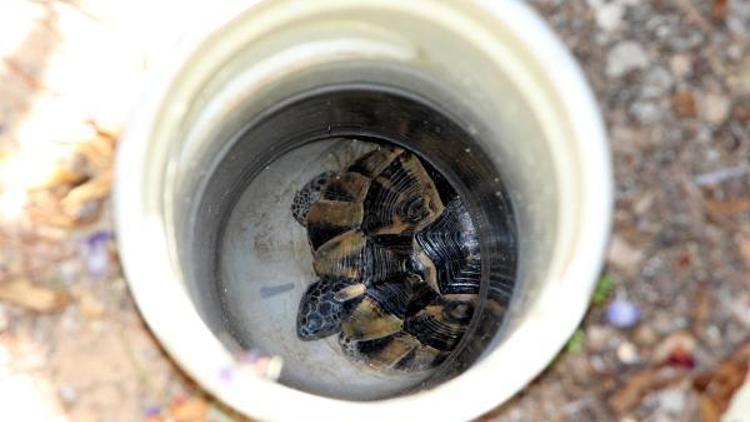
[397, 258]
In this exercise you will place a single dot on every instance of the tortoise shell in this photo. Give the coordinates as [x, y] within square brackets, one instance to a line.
[397, 258]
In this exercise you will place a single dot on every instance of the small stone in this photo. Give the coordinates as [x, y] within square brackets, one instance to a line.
[623, 314]
[622, 255]
[4, 320]
[713, 336]
[740, 81]
[627, 353]
[644, 203]
[672, 401]
[69, 271]
[609, 16]
[714, 108]
[68, 395]
[598, 364]
[645, 336]
[646, 112]
[625, 57]
[657, 83]
[681, 65]
[598, 338]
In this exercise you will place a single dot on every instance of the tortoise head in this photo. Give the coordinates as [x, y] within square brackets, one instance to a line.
[309, 195]
[321, 310]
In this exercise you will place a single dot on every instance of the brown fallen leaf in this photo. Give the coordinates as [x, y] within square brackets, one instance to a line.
[193, 409]
[98, 152]
[91, 307]
[702, 310]
[707, 410]
[719, 384]
[683, 104]
[24, 293]
[677, 348]
[719, 10]
[745, 250]
[728, 207]
[79, 197]
[641, 383]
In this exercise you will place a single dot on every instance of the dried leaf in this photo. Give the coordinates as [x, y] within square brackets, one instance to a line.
[720, 9]
[719, 385]
[90, 306]
[707, 410]
[189, 410]
[640, 384]
[99, 152]
[702, 309]
[108, 129]
[24, 293]
[683, 104]
[95, 189]
[680, 342]
[729, 207]
[745, 250]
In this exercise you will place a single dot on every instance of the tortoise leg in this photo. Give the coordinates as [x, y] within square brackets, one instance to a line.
[309, 195]
[348, 293]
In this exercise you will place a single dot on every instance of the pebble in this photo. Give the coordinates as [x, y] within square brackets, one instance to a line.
[4, 320]
[713, 336]
[598, 338]
[627, 353]
[714, 108]
[68, 395]
[737, 18]
[598, 364]
[646, 112]
[672, 401]
[622, 255]
[658, 81]
[644, 335]
[680, 65]
[625, 57]
[609, 16]
[718, 176]
[740, 81]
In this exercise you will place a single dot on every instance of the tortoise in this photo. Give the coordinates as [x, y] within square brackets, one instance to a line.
[397, 259]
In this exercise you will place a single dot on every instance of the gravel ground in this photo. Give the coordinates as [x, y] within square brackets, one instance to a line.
[667, 335]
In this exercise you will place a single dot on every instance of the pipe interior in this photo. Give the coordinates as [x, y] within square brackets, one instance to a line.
[467, 118]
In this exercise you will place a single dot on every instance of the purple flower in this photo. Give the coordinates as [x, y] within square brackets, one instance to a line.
[96, 252]
[153, 411]
[251, 356]
[226, 374]
[623, 314]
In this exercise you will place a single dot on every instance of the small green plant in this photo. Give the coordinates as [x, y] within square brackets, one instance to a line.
[604, 289]
[576, 341]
